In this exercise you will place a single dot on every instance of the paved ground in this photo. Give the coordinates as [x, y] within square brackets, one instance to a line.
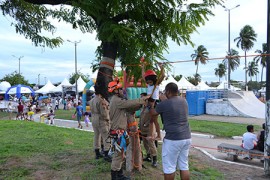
[242, 120]
[203, 142]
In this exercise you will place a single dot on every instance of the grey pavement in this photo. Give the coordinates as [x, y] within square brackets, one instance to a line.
[204, 142]
[241, 120]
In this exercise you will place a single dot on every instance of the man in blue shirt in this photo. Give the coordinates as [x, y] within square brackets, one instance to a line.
[79, 112]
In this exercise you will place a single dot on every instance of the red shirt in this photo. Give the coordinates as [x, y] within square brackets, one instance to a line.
[20, 108]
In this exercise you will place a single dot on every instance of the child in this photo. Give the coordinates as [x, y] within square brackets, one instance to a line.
[249, 138]
[30, 114]
[153, 83]
[51, 116]
[86, 119]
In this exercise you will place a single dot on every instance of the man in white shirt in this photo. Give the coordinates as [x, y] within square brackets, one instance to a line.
[249, 138]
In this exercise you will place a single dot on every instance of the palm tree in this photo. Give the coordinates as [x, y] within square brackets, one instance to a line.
[195, 79]
[252, 69]
[261, 58]
[200, 56]
[246, 39]
[234, 61]
[220, 71]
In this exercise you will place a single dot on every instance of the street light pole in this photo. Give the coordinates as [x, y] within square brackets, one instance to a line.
[19, 58]
[229, 41]
[38, 79]
[76, 84]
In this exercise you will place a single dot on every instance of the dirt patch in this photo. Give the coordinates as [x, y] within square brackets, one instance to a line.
[82, 165]
[229, 171]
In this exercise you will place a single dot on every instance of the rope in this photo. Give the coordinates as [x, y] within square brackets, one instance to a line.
[135, 135]
[183, 61]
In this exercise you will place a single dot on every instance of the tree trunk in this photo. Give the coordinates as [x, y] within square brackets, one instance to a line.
[197, 68]
[261, 77]
[246, 69]
[106, 68]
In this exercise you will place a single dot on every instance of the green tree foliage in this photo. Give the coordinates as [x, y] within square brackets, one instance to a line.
[245, 41]
[220, 71]
[252, 69]
[234, 61]
[178, 77]
[74, 76]
[15, 78]
[200, 56]
[261, 58]
[195, 79]
[127, 29]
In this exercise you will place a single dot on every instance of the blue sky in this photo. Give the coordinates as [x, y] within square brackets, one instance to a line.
[57, 64]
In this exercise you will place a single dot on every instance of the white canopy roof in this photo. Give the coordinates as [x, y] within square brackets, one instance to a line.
[81, 84]
[224, 85]
[203, 86]
[4, 85]
[166, 81]
[46, 88]
[58, 88]
[184, 84]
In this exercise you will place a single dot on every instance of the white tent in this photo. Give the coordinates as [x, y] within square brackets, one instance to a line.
[46, 88]
[81, 84]
[58, 88]
[224, 85]
[184, 84]
[165, 82]
[4, 85]
[203, 86]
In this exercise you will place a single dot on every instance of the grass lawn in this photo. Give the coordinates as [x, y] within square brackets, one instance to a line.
[64, 114]
[32, 150]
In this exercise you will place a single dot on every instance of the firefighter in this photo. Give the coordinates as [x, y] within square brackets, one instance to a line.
[119, 105]
[101, 125]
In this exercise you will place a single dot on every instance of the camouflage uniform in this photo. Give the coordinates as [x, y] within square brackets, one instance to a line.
[118, 116]
[149, 144]
[101, 123]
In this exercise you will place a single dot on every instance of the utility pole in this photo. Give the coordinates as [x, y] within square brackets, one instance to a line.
[38, 79]
[229, 41]
[19, 58]
[76, 73]
[267, 106]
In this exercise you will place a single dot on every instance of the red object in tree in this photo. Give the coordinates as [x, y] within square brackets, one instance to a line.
[149, 72]
[142, 59]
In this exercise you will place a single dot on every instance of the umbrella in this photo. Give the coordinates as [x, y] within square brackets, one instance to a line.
[19, 89]
[43, 97]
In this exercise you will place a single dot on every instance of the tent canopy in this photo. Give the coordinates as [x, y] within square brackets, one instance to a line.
[203, 86]
[18, 90]
[58, 88]
[81, 84]
[224, 85]
[185, 84]
[46, 88]
[166, 81]
[4, 85]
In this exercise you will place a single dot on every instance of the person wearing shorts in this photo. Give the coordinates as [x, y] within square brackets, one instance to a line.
[177, 141]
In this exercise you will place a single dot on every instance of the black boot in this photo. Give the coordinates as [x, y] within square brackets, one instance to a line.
[102, 149]
[107, 157]
[98, 155]
[154, 163]
[114, 175]
[121, 176]
[147, 158]
[156, 143]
